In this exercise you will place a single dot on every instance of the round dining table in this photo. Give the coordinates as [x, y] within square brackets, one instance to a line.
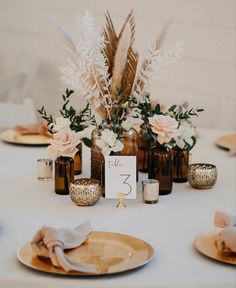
[169, 226]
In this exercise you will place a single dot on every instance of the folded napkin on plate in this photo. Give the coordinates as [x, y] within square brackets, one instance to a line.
[224, 220]
[51, 243]
[35, 128]
[226, 239]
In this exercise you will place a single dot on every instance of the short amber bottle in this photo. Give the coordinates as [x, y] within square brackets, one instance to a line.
[160, 167]
[64, 174]
[180, 164]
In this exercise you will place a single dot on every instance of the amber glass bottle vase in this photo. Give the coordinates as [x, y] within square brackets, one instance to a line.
[180, 164]
[130, 141]
[78, 160]
[143, 151]
[64, 174]
[97, 157]
[160, 167]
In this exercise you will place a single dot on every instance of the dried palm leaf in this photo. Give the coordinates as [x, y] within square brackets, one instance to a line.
[129, 74]
[160, 39]
[120, 60]
[147, 62]
[111, 41]
[129, 19]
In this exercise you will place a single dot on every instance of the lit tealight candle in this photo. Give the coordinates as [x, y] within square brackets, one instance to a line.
[44, 168]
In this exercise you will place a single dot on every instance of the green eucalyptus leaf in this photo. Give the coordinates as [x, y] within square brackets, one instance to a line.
[87, 142]
[157, 109]
[172, 108]
[194, 142]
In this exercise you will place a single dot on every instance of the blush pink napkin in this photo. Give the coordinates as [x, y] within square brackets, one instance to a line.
[224, 220]
[226, 239]
[35, 128]
[51, 243]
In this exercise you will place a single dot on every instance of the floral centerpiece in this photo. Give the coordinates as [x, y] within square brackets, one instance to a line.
[186, 136]
[168, 129]
[68, 132]
[184, 140]
[160, 129]
[102, 69]
[68, 129]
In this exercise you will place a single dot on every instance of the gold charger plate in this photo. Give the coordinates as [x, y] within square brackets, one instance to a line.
[227, 142]
[12, 137]
[110, 252]
[205, 244]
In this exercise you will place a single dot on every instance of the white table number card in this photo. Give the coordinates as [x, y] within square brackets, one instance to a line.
[120, 176]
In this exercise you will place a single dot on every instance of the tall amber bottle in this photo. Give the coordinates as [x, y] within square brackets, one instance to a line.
[78, 160]
[143, 152]
[180, 164]
[64, 174]
[97, 157]
[130, 142]
[160, 167]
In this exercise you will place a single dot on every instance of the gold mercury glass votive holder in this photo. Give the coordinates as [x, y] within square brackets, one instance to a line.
[202, 175]
[85, 191]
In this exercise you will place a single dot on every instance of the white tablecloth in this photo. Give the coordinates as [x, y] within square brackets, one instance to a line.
[169, 226]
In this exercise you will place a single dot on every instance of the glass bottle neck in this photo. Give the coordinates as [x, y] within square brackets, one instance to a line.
[157, 145]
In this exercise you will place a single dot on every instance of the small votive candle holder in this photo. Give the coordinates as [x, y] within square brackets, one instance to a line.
[150, 191]
[85, 191]
[44, 169]
[202, 175]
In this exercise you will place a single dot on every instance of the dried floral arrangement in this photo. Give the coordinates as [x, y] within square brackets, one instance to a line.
[102, 69]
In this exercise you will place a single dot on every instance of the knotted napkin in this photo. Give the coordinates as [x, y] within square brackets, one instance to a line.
[51, 243]
[224, 220]
[35, 128]
[226, 239]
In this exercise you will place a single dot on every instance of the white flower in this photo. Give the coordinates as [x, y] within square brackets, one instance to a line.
[164, 126]
[61, 124]
[109, 142]
[185, 133]
[64, 143]
[128, 123]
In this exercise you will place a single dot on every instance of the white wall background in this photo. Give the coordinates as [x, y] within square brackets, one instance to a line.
[31, 51]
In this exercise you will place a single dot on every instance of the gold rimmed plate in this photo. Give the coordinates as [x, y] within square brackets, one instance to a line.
[12, 137]
[227, 142]
[110, 252]
[205, 244]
